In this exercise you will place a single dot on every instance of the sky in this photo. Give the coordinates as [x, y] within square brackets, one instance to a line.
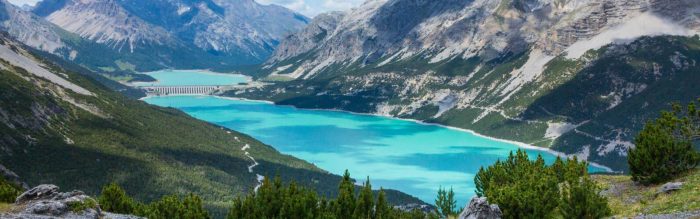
[311, 8]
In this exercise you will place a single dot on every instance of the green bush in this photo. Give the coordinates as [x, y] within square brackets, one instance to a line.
[664, 148]
[581, 199]
[8, 191]
[114, 199]
[523, 188]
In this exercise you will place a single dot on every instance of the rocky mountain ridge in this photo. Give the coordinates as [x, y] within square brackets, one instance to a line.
[508, 69]
[29, 28]
[118, 36]
[396, 29]
[242, 29]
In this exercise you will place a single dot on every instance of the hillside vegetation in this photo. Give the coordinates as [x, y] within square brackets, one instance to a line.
[49, 134]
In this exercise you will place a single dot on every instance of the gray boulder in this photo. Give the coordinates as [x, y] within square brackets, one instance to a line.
[45, 201]
[36, 193]
[479, 208]
[670, 187]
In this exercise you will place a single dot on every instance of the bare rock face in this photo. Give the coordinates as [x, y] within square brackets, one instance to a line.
[45, 201]
[479, 208]
[229, 27]
[441, 30]
[29, 28]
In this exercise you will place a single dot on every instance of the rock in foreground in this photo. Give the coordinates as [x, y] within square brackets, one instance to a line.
[45, 201]
[479, 208]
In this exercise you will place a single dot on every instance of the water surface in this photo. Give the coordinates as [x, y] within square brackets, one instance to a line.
[192, 77]
[412, 157]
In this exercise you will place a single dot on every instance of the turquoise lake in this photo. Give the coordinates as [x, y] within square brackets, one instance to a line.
[192, 77]
[398, 154]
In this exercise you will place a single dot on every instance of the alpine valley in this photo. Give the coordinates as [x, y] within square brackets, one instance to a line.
[247, 109]
[578, 76]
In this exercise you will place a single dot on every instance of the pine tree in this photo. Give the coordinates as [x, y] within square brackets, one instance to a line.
[445, 202]
[192, 208]
[345, 203]
[365, 202]
[559, 169]
[382, 209]
[663, 149]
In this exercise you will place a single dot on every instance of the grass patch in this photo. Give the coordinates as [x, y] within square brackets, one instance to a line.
[80, 206]
[126, 66]
[5, 207]
[626, 199]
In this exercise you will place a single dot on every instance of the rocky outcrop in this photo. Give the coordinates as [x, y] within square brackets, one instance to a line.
[45, 201]
[479, 208]
[670, 187]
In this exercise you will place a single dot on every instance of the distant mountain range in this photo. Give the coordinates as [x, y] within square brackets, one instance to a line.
[579, 76]
[134, 35]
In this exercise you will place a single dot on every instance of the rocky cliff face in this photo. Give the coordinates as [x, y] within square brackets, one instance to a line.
[544, 72]
[29, 28]
[242, 29]
[106, 22]
[441, 30]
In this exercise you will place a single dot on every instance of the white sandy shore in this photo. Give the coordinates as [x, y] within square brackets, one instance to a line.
[519, 144]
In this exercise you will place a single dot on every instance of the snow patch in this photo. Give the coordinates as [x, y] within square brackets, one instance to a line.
[646, 24]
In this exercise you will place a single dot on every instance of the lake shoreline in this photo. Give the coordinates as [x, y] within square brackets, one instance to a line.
[516, 143]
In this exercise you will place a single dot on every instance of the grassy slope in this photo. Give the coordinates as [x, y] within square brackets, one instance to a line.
[627, 199]
[151, 151]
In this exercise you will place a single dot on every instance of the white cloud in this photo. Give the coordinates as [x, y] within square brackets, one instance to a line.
[312, 8]
[23, 2]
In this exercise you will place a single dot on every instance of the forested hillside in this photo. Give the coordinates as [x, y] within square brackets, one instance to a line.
[63, 128]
